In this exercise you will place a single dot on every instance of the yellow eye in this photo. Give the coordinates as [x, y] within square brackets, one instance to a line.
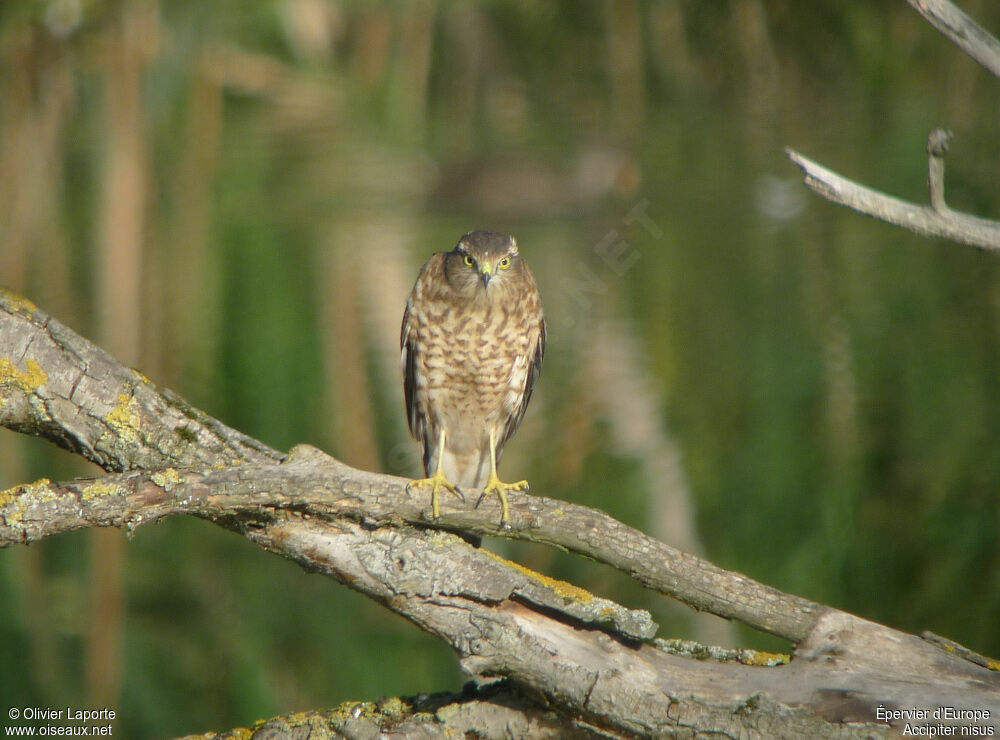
[469, 261]
[504, 263]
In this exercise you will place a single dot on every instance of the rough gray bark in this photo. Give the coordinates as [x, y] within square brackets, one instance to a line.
[590, 661]
[96, 407]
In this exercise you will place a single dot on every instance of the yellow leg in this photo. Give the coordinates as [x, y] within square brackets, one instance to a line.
[436, 481]
[497, 486]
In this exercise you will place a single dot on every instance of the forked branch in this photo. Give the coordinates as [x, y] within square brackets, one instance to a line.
[936, 219]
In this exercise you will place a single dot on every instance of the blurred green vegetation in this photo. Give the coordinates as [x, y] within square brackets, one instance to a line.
[798, 392]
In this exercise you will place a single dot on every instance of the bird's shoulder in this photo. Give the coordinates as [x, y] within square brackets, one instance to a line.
[432, 273]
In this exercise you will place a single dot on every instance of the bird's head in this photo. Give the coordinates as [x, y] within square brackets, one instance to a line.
[483, 262]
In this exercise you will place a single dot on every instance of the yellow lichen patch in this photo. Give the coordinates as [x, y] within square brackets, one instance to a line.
[38, 489]
[166, 478]
[99, 488]
[238, 733]
[746, 656]
[354, 709]
[297, 718]
[8, 495]
[229, 464]
[17, 302]
[993, 665]
[763, 658]
[27, 380]
[393, 707]
[560, 588]
[124, 418]
[24, 495]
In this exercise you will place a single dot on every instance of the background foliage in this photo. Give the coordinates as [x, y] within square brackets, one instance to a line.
[236, 198]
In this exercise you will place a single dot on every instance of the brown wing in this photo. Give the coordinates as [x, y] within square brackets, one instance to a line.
[408, 364]
[409, 342]
[534, 368]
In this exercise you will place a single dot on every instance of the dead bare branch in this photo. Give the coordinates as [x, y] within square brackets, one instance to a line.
[937, 219]
[934, 220]
[962, 31]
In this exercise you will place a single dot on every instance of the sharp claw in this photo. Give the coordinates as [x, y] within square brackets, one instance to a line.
[504, 511]
[501, 489]
[436, 483]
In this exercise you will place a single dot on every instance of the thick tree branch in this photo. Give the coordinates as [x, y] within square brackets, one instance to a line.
[94, 406]
[588, 658]
[317, 485]
[496, 710]
[127, 422]
[550, 637]
[961, 30]
[251, 499]
[506, 622]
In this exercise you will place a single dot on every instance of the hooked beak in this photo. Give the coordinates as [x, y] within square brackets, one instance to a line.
[486, 275]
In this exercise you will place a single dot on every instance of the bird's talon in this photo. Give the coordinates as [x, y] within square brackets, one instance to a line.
[436, 482]
[495, 485]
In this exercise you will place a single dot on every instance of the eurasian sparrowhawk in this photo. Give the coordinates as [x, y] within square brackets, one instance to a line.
[472, 343]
